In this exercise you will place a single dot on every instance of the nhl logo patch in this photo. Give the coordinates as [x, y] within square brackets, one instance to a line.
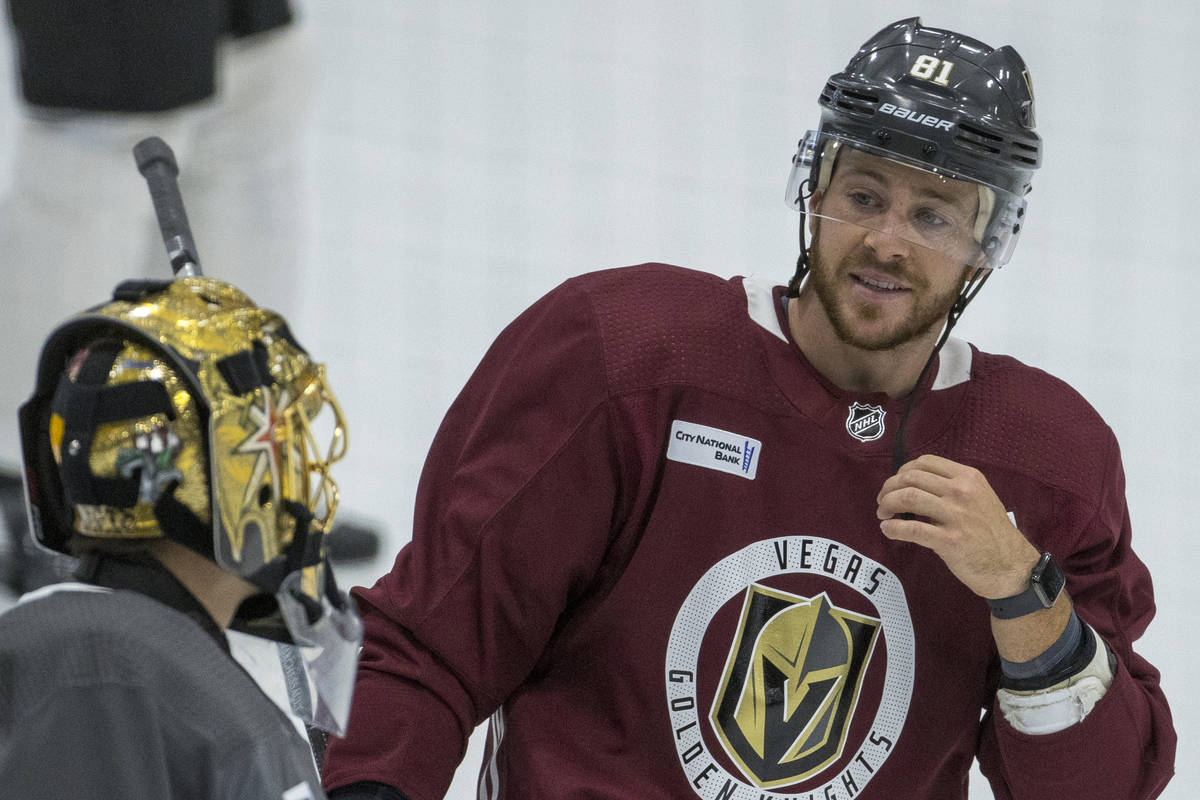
[864, 422]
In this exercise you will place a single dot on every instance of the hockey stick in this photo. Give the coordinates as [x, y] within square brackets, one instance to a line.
[156, 162]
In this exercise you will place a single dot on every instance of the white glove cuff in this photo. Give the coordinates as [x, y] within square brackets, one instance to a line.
[1065, 703]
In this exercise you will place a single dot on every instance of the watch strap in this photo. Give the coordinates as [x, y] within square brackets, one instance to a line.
[1037, 594]
[1018, 605]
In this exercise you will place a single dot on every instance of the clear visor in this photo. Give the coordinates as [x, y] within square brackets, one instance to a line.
[961, 219]
[313, 418]
[319, 669]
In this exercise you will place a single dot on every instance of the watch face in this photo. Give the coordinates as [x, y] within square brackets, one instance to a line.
[1047, 580]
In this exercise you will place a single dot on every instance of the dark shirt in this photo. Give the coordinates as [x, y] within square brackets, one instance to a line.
[137, 55]
[109, 693]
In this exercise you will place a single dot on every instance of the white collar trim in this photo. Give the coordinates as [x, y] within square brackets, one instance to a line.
[954, 362]
[760, 303]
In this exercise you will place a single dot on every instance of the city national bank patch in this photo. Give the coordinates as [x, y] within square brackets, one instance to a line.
[713, 448]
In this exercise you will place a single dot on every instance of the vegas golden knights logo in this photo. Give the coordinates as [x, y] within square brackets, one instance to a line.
[791, 684]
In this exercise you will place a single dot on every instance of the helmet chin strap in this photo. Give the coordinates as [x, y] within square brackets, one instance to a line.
[969, 290]
[802, 264]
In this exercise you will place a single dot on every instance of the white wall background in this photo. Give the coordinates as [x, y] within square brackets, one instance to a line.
[464, 157]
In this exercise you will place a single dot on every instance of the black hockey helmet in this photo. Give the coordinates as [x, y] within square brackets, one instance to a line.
[937, 101]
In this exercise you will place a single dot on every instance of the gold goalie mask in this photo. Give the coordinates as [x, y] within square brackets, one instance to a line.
[182, 410]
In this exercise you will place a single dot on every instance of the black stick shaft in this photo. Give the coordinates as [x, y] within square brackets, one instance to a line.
[156, 162]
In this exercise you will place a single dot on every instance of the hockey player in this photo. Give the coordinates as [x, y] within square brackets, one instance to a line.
[687, 537]
[170, 444]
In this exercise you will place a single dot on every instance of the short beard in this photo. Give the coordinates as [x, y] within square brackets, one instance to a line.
[928, 313]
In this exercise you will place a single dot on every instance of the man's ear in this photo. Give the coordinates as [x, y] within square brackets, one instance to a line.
[979, 262]
[814, 207]
[970, 272]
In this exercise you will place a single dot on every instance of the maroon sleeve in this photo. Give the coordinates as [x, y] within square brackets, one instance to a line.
[514, 512]
[1125, 748]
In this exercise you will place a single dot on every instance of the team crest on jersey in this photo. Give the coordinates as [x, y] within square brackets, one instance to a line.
[864, 422]
[791, 684]
[774, 697]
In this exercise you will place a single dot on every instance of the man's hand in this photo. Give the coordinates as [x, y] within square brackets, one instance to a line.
[959, 517]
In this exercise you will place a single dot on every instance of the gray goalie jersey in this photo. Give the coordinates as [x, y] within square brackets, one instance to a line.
[107, 694]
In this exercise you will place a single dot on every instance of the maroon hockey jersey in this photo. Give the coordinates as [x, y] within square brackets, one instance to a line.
[646, 546]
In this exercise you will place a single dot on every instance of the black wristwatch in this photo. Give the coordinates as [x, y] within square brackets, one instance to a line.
[1045, 585]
